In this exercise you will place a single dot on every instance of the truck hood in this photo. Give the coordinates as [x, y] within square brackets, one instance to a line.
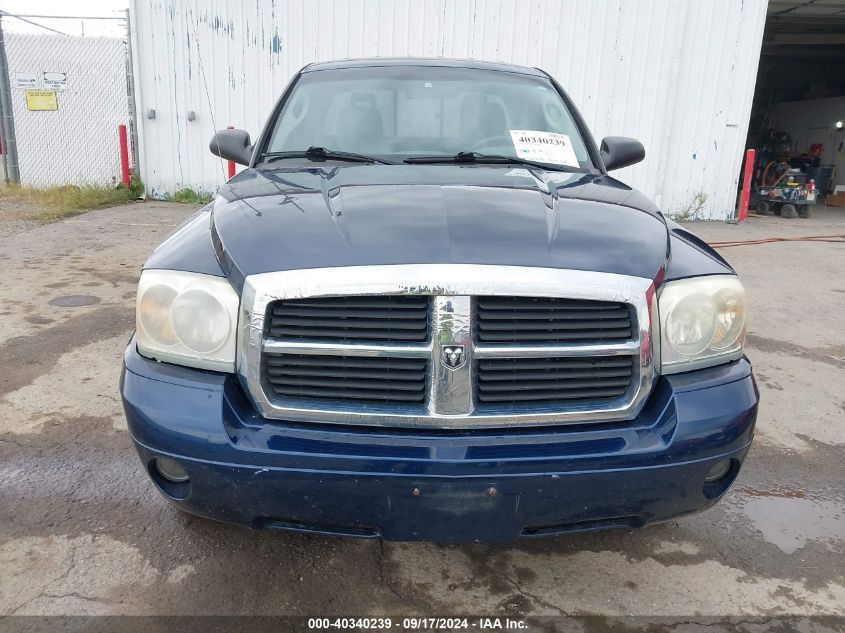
[267, 220]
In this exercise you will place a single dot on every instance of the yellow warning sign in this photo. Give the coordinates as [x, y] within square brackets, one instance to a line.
[41, 100]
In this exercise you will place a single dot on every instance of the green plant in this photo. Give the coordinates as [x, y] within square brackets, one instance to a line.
[189, 196]
[136, 185]
[692, 211]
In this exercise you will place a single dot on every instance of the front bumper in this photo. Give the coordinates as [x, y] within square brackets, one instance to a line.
[492, 485]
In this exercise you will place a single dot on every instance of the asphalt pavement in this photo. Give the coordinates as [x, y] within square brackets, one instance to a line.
[83, 531]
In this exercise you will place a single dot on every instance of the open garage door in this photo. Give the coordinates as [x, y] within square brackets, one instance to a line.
[799, 102]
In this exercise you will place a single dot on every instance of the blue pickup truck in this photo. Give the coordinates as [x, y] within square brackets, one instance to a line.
[425, 311]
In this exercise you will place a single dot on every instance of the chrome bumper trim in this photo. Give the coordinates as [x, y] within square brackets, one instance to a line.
[272, 346]
[629, 348]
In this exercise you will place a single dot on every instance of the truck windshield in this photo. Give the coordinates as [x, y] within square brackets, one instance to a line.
[423, 113]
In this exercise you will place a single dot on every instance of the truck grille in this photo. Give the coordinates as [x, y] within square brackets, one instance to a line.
[429, 346]
[551, 320]
[340, 378]
[395, 318]
[553, 380]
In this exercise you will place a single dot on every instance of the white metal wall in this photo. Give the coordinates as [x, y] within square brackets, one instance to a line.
[77, 143]
[677, 74]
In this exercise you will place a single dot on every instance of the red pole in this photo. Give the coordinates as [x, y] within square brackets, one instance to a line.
[231, 162]
[746, 186]
[124, 155]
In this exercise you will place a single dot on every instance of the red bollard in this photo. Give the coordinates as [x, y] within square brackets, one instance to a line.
[746, 186]
[231, 162]
[124, 155]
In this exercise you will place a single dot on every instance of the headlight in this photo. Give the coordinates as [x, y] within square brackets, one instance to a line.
[187, 319]
[702, 322]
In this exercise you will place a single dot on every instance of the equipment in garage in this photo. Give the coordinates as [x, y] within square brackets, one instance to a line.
[792, 195]
[788, 185]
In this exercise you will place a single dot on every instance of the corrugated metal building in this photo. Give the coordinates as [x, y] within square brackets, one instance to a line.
[677, 74]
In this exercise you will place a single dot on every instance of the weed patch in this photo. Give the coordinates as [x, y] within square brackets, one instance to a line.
[692, 211]
[189, 196]
[56, 203]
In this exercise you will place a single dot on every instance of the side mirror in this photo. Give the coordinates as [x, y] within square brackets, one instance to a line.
[621, 151]
[232, 145]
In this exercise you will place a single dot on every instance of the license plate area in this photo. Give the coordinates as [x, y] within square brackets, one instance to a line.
[473, 505]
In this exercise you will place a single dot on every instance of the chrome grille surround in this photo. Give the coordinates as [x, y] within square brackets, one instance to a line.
[450, 398]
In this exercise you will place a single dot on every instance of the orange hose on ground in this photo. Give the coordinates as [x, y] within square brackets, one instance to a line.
[835, 239]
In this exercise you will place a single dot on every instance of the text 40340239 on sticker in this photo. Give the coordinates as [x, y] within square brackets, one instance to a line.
[544, 147]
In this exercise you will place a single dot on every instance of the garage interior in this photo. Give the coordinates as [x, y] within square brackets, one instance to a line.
[798, 111]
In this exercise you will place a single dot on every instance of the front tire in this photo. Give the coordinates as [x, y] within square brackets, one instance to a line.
[788, 211]
[763, 208]
[805, 210]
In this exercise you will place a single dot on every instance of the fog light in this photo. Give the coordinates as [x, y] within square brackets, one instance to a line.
[170, 470]
[718, 471]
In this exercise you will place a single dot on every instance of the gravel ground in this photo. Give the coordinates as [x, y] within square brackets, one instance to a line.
[82, 530]
[16, 216]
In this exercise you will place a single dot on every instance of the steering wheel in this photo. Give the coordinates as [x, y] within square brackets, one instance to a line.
[490, 140]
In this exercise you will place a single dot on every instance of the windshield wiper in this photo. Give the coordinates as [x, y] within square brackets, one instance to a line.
[475, 158]
[320, 154]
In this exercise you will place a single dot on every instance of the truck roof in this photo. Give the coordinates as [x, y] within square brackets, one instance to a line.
[421, 61]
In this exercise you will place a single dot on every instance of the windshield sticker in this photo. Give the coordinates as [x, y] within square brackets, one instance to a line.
[544, 147]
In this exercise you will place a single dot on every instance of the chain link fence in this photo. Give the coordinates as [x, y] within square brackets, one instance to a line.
[68, 95]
